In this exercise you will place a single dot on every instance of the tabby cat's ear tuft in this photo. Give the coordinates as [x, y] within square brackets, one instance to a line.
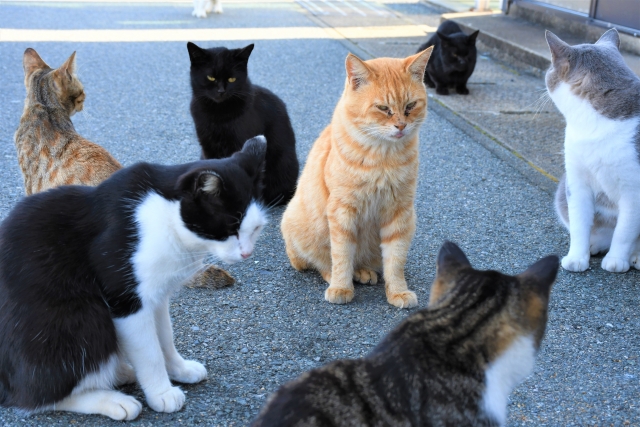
[196, 53]
[417, 64]
[612, 37]
[451, 256]
[31, 62]
[450, 260]
[68, 69]
[541, 275]
[245, 52]
[357, 71]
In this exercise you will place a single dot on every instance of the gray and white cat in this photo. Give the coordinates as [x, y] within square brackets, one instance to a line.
[598, 199]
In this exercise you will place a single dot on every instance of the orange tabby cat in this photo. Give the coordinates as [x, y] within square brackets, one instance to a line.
[50, 152]
[353, 212]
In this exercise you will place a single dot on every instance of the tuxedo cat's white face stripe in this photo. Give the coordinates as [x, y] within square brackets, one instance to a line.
[504, 373]
[237, 248]
[169, 253]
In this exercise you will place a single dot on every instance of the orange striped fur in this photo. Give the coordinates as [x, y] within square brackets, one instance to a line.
[352, 214]
[50, 152]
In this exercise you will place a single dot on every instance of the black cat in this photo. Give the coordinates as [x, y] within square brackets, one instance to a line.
[228, 109]
[453, 58]
[86, 274]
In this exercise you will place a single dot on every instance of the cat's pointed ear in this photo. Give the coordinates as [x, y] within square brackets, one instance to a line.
[443, 37]
[450, 260]
[68, 69]
[251, 157]
[612, 37]
[357, 71]
[31, 62]
[541, 275]
[244, 53]
[196, 53]
[472, 37]
[199, 182]
[558, 48]
[417, 64]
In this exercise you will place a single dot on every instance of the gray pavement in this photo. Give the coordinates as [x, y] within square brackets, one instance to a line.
[274, 324]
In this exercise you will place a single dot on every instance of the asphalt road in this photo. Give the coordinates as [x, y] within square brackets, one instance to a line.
[274, 324]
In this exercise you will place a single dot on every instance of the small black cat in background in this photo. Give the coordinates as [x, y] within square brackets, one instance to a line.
[228, 110]
[453, 58]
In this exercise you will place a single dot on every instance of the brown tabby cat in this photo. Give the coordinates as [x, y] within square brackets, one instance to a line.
[50, 152]
[352, 213]
[452, 364]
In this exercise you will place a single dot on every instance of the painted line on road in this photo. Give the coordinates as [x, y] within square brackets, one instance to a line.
[212, 34]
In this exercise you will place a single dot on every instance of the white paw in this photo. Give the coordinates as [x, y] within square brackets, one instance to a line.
[218, 8]
[635, 260]
[190, 372]
[209, 7]
[595, 248]
[615, 265]
[575, 264]
[199, 13]
[122, 407]
[169, 401]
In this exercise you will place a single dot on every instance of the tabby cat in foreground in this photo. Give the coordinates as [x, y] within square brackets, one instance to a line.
[50, 152]
[352, 214]
[452, 364]
[87, 274]
[598, 199]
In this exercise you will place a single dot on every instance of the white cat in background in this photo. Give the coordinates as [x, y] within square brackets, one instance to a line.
[202, 7]
[598, 199]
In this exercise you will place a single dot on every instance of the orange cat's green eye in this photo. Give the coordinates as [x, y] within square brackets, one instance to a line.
[232, 79]
[411, 105]
[382, 107]
[211, 79]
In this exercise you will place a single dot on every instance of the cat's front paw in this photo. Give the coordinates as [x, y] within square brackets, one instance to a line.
[575, 264]
[217, 8]
[442, 91]
[189, 373]
[406, 299]
[635, 260]
[199, 13]
[462, 90]
[338, 295]
[168, 401]
[615, 265]
[365, 276]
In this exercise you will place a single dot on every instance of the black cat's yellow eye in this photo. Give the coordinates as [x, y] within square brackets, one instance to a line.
[211, 79]
[232, 79]
[382, 107]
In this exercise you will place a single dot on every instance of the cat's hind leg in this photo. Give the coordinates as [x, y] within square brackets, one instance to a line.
[217, 8]
[110, 403]
[462, 89]
[600, 240]
[93, 395]
[365, 276]
[635, 256]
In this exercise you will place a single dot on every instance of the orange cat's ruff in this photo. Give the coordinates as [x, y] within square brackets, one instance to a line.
[50, 152]
[352, 214]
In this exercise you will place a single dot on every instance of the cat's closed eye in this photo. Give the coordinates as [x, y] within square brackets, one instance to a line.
[211, 79]
[232, 79]
[409, 107]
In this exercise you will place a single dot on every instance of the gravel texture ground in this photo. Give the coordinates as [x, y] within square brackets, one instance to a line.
[274, 323]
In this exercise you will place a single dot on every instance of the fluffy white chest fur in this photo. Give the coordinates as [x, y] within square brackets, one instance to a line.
[602, 162]
[504, 373]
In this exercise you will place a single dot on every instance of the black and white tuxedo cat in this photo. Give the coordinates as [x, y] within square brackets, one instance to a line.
[86, 274]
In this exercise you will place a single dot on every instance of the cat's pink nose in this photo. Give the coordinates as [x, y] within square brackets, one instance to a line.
[401, 126]
[245, 255]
